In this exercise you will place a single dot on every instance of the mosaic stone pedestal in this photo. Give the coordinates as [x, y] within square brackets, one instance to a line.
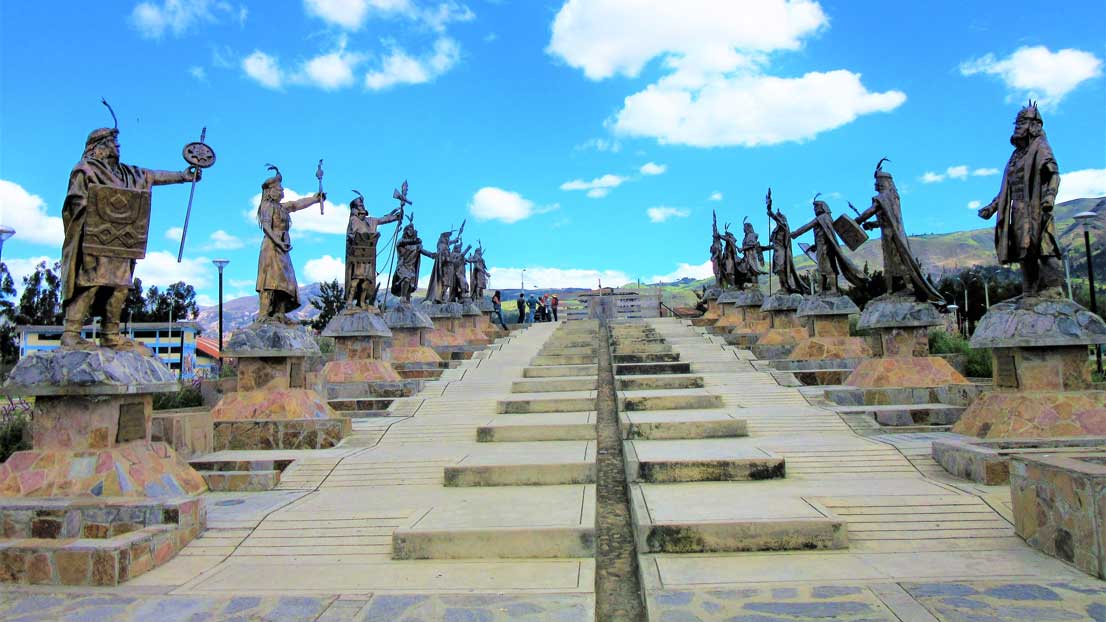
[363, 352]
[412, 356]
[785, 330]
[1042, 385]
[273, 407]
[713, 312]
[95, 502]
[1059, 504]
[447, 338]
[902, 325]
[473, 324]
[490, 323]
[827, 319]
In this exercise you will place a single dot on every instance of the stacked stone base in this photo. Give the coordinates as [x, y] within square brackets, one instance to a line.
[277, 419]
[827, 348]
[911, 371]
[1035, 414]
[778, 343]
[93, 541]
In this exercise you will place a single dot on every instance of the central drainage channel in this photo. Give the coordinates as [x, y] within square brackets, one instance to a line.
[618, 595]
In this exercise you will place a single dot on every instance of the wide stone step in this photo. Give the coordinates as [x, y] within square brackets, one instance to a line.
[681, 424]
[641, 348]
[704, 460]
[567, 401]
[553, 385]
[540, 427]
[506, 523]
[899, 415]
[821, 377]
[525, 464]
[559, 371]
[358, 404]
[669, 381]
[574, 351]
[722, 517]
[567, 359]
[658, 400]
[661, 357]
[649, 369]
[240, 481]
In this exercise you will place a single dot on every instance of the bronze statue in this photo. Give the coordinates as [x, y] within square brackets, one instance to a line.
[752, 259]
[409, 254]
[731, 263]
[441, 274]
[106, 216]
[901, 270]
[1025, 232]
[832, 260]
[459, 286]
[716, 257]
[783, 262]
[277, 291]
[479, 274]
[361, 239]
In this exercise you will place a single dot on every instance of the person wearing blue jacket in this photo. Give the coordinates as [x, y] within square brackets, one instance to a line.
[532, 303]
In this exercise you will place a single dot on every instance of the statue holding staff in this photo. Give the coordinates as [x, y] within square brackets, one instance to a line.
[361, 240]
[783, 261]
[441, 275]
[832, 260]
[409, 254]
[901, 269]
[1025, 232]
[731, 263]
[752, 254]
[479, 274]
[716, 257]
[459, 286]
[277, 290]
[106, 217]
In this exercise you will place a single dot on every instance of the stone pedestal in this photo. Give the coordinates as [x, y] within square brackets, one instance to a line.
[1041, 372]
[412, 356]
[95, 502]
[447, 337]
[490, 324]
[827, 319]
[713, 310]
[785, 330]
[902, 326]
[473, 324]
[363, 352]
[273, 407]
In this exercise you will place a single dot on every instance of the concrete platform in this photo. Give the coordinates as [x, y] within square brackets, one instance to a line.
[566, 359]
[715, 517]
[567, 401]
[681, 424]
[648, 369]
[667, 400]
[664, 381]
[553, 385]
[525, 464]
[700, 460]
[559, 371]
[572, 426]
[551, 521]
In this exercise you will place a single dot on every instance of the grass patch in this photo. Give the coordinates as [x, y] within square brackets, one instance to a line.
[189, 396]
[977, 363]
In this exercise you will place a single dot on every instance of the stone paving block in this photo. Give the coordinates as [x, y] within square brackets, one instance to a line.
[539, 427]
[801, 603]
[681, 424]
[480, 607]
[700, 460]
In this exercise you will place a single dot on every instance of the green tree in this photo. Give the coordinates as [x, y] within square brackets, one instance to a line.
[178, 302]
[40, 303]
[9, 350]
[134, 309]
[331, 301]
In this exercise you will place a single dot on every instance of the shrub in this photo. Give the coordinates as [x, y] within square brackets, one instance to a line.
[977, 362]
[189, 396]
[15, 427]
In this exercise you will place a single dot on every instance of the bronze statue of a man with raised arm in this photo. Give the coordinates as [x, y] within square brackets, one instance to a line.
[832, 260]
[409, 254]
[361, 239]
[106, 216]
[752, 255]
[901, 270]
[783, 262]
[478, 274]
[277, 290]
[1025, 232]
[459, 285]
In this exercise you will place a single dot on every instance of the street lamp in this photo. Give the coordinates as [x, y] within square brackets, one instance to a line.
[965, 285]
[5, 233]
[1087, 219]
[952, 309]
[522, 280]
[220, 264]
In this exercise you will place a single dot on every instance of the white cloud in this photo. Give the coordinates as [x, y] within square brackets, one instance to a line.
[714, 55]
[974, 204]
[491, 203]
[198, 72]
[1037, 72]
[661, 214]
[221, 240]
[598, 187]
[26, 213]
[985, 172]
[352, 14]
[203, 300]
[20, 267]
[684, 270]
[174, 233]
[324, 269]
[1086, 183]
[601, 144]
[555, 278]
[177, 16]
[334, 220]
[715, 196]
[331, 71]
[400, 68]
[161, 268]
[957, 172]
[652, 168]
[929, 177]
[263, 69]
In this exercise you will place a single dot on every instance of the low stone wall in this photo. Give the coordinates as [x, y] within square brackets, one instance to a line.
[93, 541]
[1060, 507]
[988, 461]
[281, 434]
[953, 394]
[187, 430]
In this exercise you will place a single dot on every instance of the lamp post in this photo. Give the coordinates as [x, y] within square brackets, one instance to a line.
[1087, 220]
[5, 233]
[965, 285]
[952, 309]
[220, 264]
[522, 281]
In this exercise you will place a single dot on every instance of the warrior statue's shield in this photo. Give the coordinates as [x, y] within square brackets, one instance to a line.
[852, 234]
[362, 248]
[117, 222]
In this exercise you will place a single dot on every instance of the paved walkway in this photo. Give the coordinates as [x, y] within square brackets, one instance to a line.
[924, 547]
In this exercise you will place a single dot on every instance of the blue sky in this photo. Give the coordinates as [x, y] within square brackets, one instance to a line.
[580, 139]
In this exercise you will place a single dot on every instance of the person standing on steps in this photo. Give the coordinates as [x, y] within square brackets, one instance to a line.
[521, 303]
[532, 303]
[553, 305]
[497, 306]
